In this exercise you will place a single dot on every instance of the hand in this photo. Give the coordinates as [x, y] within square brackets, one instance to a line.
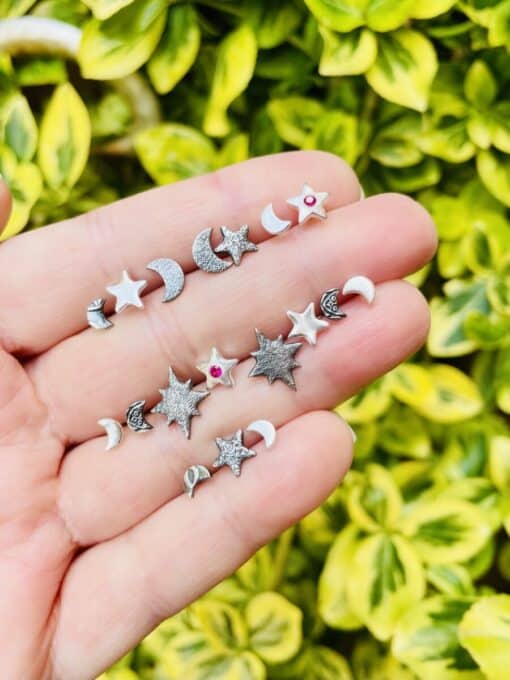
[97, 548]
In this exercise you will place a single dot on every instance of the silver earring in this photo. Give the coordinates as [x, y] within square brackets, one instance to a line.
[309, 203]
[172, 274]
[113, 431]
[96, 317]
[217, 369]
[127, 292]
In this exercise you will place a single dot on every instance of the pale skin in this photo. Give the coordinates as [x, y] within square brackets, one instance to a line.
[97, 548]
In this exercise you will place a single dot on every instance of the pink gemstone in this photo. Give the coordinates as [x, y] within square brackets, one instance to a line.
[216, 371]
[310, 200]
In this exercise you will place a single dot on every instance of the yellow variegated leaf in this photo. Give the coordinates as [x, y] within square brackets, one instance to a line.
[333, 606]
[177, 49]
[119, 674]
[445, 531]
[480, 492]
[319, 529]
[403, 432]
[235, 150]
[346, 54]
[480, 564]
[499, 25]
[369, 404]
[15, 8]
[404, 69]
[374, 502]
[294, 118]
[273, 22]
[370, 661]
[450, 579]
[386, 579]
[235, 64]
[119, 45]
[102, 9]
[323, 663]
[25, 184]
[439, 392]
[190, 655]
[64, 139]
[170, 152]
[426, 9]
[426, 640]
[274, 626]
[245, 666]
[221, 624]
[18, 127]
[485, 633]
[499, 462]
[387, 15]
[340, 15]
[494, 171]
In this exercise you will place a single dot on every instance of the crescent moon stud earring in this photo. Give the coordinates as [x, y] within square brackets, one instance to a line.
[96, 317]
[193, 476]
[360, 285]
[172, 275]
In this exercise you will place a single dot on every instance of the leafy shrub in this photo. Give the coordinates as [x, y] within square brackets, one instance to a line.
[397, 574]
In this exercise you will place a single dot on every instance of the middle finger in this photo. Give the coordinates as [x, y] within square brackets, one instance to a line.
[385, 237]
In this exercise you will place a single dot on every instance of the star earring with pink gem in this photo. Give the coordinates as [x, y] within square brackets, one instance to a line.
[309, 203]
[217, 369]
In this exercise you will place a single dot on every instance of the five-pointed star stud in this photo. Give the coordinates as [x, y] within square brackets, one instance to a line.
[127, 292]
[217, 369]
[232, 452]
[310, 203]
[275, 359]
[306, 324]
[179, 402]
[236, 243]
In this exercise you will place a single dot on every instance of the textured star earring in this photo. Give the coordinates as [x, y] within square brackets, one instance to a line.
[275, 359]
[235, 243]
[179, 403]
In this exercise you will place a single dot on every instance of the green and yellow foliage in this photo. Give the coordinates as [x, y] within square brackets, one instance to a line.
[402, 573]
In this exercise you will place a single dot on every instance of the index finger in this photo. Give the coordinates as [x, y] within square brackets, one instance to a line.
[59, 270]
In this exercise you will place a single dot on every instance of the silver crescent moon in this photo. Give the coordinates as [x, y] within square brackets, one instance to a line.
[266, 429]
[172, 275]
[272, 223]
[204, 255]
[193, 476]
[135, 418]
[114, 431]
[360, 285]
[329, 304]
[95, 315]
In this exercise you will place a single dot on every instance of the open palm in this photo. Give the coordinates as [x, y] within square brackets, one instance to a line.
[97, 548]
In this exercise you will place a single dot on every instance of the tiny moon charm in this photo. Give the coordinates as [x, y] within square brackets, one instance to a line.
[329, 304]
[193, 476]
[172, 275]
[113, 430]
[135, 418]
[204, 255]
[272, 223]
[266, 429]
[360, 285]
[96, 317]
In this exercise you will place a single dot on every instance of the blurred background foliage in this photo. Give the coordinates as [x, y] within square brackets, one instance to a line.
[404, 572]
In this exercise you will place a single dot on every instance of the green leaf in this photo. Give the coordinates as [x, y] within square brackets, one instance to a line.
[403, 433]
[103, 9]
[387, 15]
[447, 139]
[404, 69]
[338, 133]
[494, 171]
[339, 15]
[370, 403]
[374, 501]
[333, 606]
[222, 624]
[235, 65]
[294, 118]
[323, 663]
[170, 152]
[480, 85]
[408, 180]
[25, 184]
[447, 337]
[274, 626]
[426, 640]
[453, 580]
[386, 579]
[499, 462]
[273, 22]
[64, 139]
[177, 51]
[41, 71]
[319, 529]
[395, 144]
[445, 531]
[15, 8]
[119, 45]
[427, 9]
[18, 129]
[347, 54]
[485, 633]
[499, 25]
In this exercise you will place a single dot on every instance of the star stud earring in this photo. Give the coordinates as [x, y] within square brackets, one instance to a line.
[309, 203]
[236, 243]
[217, 369]
[306, 324]
[275, 359]
[127, 292]
[179, 403]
